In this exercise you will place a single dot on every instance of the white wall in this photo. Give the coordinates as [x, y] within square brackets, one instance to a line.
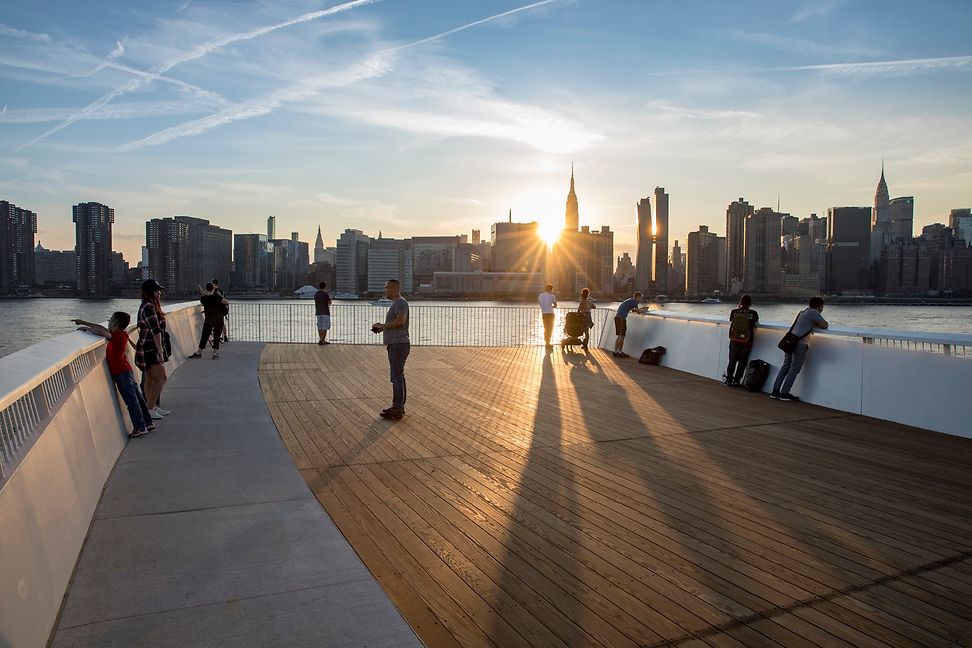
[47, 504]
[841, 372]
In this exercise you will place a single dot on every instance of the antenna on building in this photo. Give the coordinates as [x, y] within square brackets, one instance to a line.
[511, 215]
[778, 202]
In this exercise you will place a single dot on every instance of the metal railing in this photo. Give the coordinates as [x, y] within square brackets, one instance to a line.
[429, 324]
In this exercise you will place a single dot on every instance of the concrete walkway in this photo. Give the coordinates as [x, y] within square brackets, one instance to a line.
[206, 535]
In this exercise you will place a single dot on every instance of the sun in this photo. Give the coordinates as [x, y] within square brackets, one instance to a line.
[549, 230]
[545, 205]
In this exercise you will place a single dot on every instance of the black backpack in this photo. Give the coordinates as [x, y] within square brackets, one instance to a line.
[652, 355]
[756, 374]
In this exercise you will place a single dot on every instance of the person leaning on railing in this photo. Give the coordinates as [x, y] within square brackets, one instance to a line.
[628, 306]
[214, 305]
[795, 348]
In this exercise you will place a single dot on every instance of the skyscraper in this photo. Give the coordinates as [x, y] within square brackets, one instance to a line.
[271, 228]
[572, 212]
[764, 231]
[849, 249]
[289, 262]
[736, 215]
[643, 264]
[185, 252]
[517, 247]
[431, 254]
[960, 220]
[352, 262]
[880, 219]
[661, 240]
[902, 218]
[17, 229]
[319, 253]
[703, 262]
[250, 262]
[92, 233]
[676, 273]
[390, 259]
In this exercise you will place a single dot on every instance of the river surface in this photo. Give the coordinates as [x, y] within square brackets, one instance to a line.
[24, 322]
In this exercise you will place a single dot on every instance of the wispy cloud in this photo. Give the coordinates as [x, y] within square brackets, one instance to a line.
[800, 45]
[666, 109]
[7, 31]
[118, 51]
[808, 9]
[195, 53]
[139, 110]
[904, 66]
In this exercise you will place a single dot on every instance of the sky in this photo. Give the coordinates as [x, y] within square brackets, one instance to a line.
[423, 117]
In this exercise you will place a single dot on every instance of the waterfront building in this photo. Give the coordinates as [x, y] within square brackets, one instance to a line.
[17, 229]
[660, 239]
[676, 273]
[960, 220]
[352, 262]
[736, 215]
[319, 249]
[55, 267]
[431, 254]
[517, 247]
[390, 259]
[903, 269]
[703, 259]
[763, 262]
[251, 254]
[119, 270]
[956, 270]
[902, 218]
[92, 233]
[880, 219]
[289, 262]
[643, 264]
[185, 252]
[476, 239]
[937, 238]
[593, 257]
[849, 250]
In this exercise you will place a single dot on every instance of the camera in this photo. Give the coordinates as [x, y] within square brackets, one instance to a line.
[375, 328]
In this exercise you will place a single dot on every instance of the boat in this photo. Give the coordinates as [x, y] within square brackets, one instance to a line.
[305, 292]
[661, 299]
[711, 300]
[383, 301]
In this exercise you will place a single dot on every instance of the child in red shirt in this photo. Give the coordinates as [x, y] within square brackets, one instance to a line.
[121, 371]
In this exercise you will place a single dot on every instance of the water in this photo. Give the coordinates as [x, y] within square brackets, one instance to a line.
[28, 321]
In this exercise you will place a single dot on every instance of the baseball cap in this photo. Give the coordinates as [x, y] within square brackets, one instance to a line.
[151, 285]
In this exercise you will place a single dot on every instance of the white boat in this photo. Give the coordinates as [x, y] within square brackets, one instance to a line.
[383, 301]
[711, 300]
[305, 292]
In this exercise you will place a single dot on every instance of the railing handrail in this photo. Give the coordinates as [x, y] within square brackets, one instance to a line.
[927, 337]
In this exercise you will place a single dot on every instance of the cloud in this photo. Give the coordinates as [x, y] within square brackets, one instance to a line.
[118, 51]
[814, 9]
[665, 109]
[875, 68]
[7, 31]
[800, 45]
[139, 110]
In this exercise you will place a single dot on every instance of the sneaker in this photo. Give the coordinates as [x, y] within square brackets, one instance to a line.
[789, 397]
[623, 355]
[134, 434]
[392, 413]
[195, 355]
[155, 415]
[216, 356]
[775, 395]
[320, 343]
[150, 427]
[163, 412]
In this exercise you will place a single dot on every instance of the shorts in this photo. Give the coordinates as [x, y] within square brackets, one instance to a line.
[620, 325]
[323, 322]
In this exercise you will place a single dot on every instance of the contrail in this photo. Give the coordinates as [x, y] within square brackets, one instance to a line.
[196, 53]
[877, 67]
[370, 66]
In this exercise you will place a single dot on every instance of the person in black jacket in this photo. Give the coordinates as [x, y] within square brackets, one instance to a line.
[213, 308]
[742, 330]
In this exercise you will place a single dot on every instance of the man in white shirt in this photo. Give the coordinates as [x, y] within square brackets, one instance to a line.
[548, 302]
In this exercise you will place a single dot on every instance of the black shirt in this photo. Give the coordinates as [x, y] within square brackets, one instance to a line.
[212, 305]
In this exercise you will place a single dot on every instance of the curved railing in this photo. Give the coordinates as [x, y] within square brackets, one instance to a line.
[910, 377]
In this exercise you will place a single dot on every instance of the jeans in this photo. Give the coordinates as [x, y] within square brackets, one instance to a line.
[397, 355]
[738, 355]
[548, 322]
[214, 328]
[791, 367]
[137, 407]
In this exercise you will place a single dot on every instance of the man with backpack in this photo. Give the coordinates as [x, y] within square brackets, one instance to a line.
[742, 330]
[803, 326]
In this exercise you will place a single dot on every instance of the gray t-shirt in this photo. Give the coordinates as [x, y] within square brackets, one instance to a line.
[806, 322]
[396, 335]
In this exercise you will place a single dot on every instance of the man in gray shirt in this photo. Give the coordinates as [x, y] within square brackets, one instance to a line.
[803, 327]
[395, 337]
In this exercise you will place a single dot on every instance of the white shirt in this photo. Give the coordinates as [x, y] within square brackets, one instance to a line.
[547, 302]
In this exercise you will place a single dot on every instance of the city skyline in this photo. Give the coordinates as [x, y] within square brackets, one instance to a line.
[437, 118]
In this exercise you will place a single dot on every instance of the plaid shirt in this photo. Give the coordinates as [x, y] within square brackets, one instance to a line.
[149, 324]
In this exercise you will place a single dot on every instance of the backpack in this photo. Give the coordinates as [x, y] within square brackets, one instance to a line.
[741, 326]
[756, 374]
[652, 355]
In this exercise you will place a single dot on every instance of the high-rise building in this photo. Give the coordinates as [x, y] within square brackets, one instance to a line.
[319, 249]
[937, 238]
[17, 229]
[271, 228]
[736, 215]
[763, 268]
[431, 254]
[572, 211]
[902, 218]
[960, 220]
[956, 270]
[251, 270]
[390, 259]
[703, 262]
[624, 273]
[661, 240]
[55, 267]
[592, 261]
[185, 252]
[517, 247]
[904, 268]
[352, 262]
[119, 269]
[676, 273]
[880, 219]
[643, 264]
[849, 250]
[93, 247]
[289, 262]
[476, 237]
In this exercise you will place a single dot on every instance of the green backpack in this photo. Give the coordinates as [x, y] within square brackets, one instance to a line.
[741, 326]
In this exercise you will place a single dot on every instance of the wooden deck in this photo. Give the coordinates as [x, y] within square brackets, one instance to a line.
[534, 499]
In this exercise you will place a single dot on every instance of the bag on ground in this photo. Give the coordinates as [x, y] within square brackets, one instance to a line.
[652, 355]
[755, 376]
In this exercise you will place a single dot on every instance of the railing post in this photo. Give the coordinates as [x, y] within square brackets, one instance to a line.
[947, 349]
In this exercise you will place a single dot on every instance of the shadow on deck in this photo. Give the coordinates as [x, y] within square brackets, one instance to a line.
[566, 499]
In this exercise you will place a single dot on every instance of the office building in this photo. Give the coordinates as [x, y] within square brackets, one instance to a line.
[119, 269]
[937, 238]
[493, 284]
[956, 270]
[643, 263]
[593, 259]
[676, 273]
[849, 250]
[661, 240]
[517, 247]
[624, 273]
[572, 210]
[902, 218]
[289, 262]
[703, 262]
[55, 267]
[763, 263]
[736, 215]
[92, 229]
[17, 229]
[904, 269]
[960, 220]
[431, 254]
[185, 252]
[880, 219]
[352, 262]
[251, 269]
[271, 228]
[390, 259]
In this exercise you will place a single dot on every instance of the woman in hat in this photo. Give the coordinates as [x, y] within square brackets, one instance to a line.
[151, 351]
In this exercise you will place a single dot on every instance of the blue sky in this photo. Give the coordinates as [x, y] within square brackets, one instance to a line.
[437, 116]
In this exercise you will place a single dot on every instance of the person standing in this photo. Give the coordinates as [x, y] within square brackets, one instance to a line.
[803, 326]
[322, 308]
[548, 302]
[213, 304]
[621, 322]
[395, 337]
[219, 291]
[150, 349]
[742, 330]
[585, 306]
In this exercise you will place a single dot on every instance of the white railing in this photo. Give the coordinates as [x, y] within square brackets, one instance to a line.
[909, 377]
